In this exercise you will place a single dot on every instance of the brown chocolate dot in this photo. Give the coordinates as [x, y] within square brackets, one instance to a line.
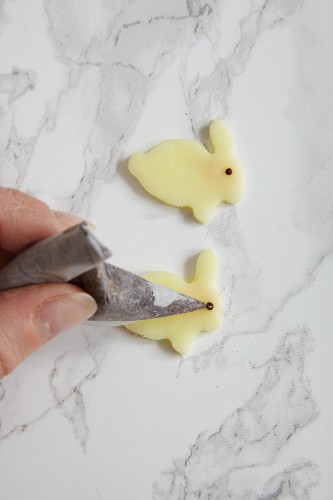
[228, 171]
[209, 306]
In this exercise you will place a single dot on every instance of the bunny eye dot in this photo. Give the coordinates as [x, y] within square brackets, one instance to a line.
[228, 171]
[209, 306]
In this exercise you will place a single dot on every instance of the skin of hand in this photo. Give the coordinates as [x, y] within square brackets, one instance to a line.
[32, 315]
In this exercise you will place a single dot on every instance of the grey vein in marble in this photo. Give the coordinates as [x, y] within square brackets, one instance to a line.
[254, 434]
[67, 379]
[115, 76]
[17, 83]
[295, 481]
[211, 93]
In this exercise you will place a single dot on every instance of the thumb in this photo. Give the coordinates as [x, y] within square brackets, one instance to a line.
[32, 315]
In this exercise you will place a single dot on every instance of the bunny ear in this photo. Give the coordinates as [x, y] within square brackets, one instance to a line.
[206, 268]
[220, 136]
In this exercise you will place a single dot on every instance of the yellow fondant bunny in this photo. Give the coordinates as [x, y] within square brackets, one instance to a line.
[182, 329]
[184, 174]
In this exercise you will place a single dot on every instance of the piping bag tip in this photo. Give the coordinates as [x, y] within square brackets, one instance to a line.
[124, 297]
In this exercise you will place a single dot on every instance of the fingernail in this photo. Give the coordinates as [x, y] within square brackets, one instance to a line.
[64, 312]
[67, 219]
[71, 220]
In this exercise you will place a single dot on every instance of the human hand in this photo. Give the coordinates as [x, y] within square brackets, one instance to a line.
[32, 315]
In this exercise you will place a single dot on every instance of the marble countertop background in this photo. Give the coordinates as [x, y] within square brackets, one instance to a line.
[99, 413]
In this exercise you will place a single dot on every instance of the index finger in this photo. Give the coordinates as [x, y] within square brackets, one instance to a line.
[24, 220]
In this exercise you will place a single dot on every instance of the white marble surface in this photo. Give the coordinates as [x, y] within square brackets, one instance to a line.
[98, 413]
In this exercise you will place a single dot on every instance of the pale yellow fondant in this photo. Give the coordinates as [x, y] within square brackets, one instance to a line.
[184, 174]
[182, 329]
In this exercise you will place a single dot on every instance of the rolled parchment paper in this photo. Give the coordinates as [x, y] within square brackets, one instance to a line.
[124, 297]
[56, 259]
[76, 256]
